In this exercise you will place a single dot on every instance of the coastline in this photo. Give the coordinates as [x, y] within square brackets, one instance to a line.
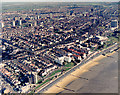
[61, 85]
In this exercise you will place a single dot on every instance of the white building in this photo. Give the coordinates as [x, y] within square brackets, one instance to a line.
[84, 55]
[77, 57]
[14, 23]
[45, 73]
[114, 24]
[2, 24]
[67, 58]
[59, 60]
[35, 23]
[20, 22]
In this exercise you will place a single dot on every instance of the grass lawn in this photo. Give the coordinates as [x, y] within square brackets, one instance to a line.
[107, 43]
[42, 83]
[67, 69]
[114, 39]
[31, 92]
[69, 64]
[55, 72]
[39, 81]
[52, 78]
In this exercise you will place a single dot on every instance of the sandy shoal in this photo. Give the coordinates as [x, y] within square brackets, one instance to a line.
[59, 86]
[54, 89]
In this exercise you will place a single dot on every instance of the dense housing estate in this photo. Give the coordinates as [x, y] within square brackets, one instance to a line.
[36, 42]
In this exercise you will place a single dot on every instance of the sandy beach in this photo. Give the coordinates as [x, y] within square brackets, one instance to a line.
[70, 83]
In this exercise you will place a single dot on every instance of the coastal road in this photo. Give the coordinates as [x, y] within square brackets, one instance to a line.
[73, 69]
[102, 78]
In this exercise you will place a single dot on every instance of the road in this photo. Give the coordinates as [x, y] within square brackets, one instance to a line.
[102, 78]
[73, 69]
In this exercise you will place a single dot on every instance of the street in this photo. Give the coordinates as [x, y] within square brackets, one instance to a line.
[74, 68]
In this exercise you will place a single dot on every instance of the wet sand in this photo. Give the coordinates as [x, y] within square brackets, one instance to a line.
[99, 75]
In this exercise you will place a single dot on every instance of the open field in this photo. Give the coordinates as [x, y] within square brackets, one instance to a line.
[17, 6]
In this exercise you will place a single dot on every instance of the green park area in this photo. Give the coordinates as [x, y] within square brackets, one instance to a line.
[70, 64]
[67, 66]
[57, 71]
[114, 39]
[111, 41]
[40, 85]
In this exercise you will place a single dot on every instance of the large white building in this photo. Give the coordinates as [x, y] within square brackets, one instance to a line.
[67, 58]
[2, 24]
[62, 59]
[20, 22]
[59, 60]
[14, 23]
[114, 24]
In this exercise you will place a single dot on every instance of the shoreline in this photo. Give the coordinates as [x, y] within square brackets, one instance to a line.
[60, 86]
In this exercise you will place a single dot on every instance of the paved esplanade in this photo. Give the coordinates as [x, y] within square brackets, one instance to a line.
[102, 78]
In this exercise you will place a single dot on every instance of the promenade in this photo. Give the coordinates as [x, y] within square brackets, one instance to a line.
[99, 75]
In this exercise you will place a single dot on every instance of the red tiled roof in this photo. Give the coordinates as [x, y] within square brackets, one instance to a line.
[76, 51]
